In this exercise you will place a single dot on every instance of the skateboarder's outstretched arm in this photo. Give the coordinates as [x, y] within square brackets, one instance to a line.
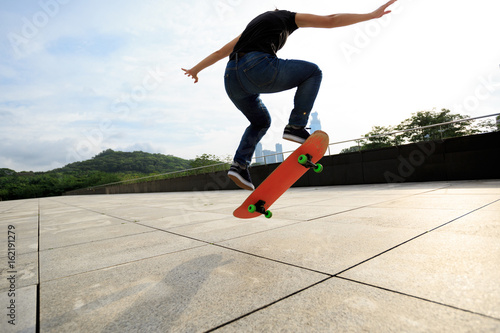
[302, 21]
[339, 20]
[224, 52]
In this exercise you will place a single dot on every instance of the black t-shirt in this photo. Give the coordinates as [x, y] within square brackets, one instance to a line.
[267, 32]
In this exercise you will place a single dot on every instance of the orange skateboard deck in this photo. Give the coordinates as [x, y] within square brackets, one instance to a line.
[285, 175]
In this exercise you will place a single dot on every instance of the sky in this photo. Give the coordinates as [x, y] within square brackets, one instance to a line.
[79, 77]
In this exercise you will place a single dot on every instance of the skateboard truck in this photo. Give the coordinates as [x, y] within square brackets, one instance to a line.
[259, 208]
[305, 160]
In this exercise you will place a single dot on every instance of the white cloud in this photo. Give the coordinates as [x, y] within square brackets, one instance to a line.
[32, 154]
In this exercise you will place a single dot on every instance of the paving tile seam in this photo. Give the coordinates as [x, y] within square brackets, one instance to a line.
[464, 194]
[14, 207]
[415, 237]
[243, 252]
[268, 305]
[121, 264]
[262, 231]
[416, 297]
[337, 213]
[409, 195]
[154, 229]
[273, 260]
[96, 241]
[117, 217]
[351, 281]
[169, 231]
[378, 203]
[472, 211]
[306, 268]
[38, 309]
[192, 224]
[94, 211]
[330, 277]
[175, 234]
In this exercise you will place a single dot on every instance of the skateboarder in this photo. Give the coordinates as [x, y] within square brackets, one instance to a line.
[254, 68]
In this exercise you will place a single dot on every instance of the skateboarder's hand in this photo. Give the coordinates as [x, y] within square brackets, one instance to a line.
[191, 73]
[382, 10]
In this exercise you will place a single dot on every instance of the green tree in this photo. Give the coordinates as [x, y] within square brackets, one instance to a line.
[427, 118]
[378, 138]
[204, 160]
[220, 163]
[352, 149]
[486, 126]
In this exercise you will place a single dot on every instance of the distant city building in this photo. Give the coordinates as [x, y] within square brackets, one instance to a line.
[315, 123]
[269, 159]
[279, 152]
[268, 156]
[258, 154]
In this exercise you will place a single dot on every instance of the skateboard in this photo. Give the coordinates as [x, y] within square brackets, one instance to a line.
[286, 174]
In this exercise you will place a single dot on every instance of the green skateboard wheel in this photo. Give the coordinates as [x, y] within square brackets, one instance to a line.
[268, 214]
[252, 208]
[303, 159]
[318, 168]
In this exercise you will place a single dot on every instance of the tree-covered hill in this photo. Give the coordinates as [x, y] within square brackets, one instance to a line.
[123, 162]
[107, 167]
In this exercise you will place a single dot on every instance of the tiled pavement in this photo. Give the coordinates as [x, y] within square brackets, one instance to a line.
[414, 257]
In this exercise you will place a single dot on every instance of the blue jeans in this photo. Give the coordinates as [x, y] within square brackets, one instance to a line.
[261, 73]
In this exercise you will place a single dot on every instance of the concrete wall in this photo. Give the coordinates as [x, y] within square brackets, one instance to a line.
[465, 158]
[473, 157]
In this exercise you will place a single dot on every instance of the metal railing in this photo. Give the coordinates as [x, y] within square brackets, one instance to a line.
[168, 175]
[440, 125]
[358, 140]
[225, 166]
